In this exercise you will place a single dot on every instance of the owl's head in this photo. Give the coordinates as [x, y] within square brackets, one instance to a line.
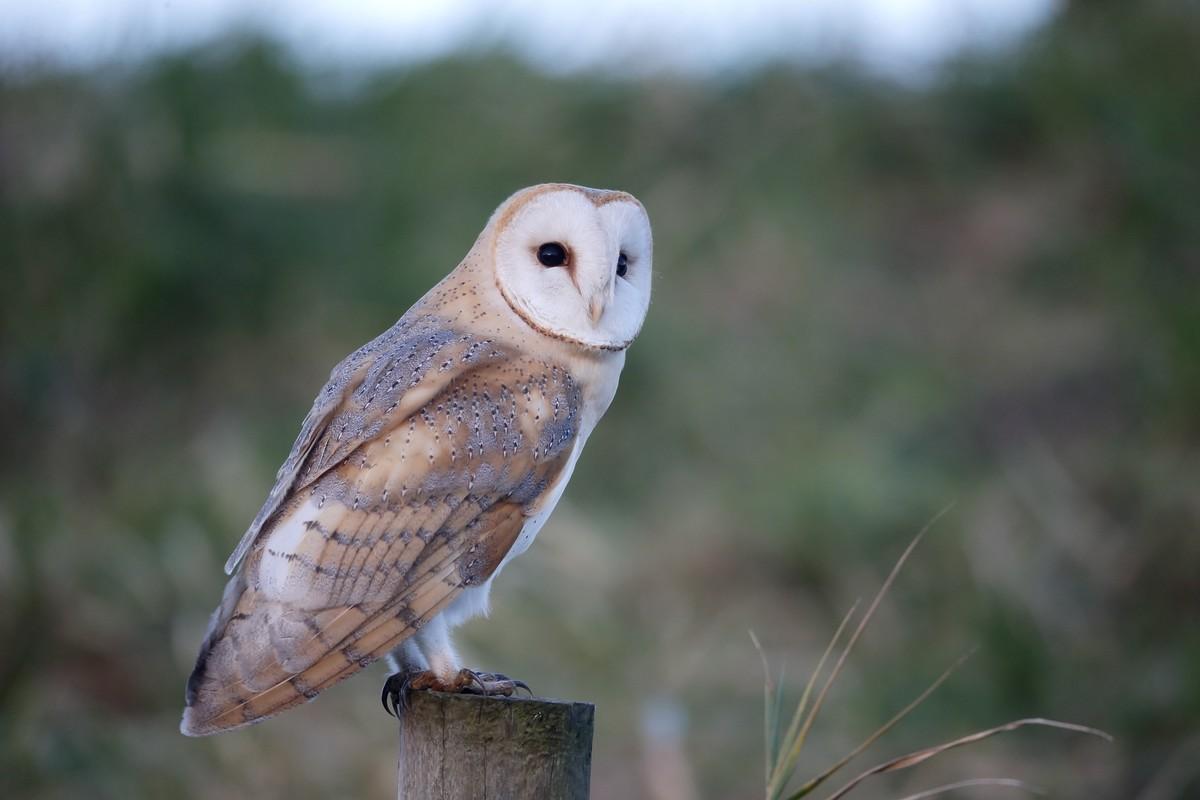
[574, 263]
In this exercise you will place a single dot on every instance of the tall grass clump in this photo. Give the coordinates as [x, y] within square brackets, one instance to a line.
[784, 745]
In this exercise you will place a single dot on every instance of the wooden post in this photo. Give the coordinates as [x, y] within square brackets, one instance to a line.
[466, 747]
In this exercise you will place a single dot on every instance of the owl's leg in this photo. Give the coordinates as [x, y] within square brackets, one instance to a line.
[440, 670]
[407, 658]
[447, 673]
[440, 656]
[427, 660]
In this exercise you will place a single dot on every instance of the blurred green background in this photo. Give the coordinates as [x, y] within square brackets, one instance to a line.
[873, 298]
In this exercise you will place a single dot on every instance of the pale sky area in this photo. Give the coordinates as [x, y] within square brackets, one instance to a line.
[902, 37]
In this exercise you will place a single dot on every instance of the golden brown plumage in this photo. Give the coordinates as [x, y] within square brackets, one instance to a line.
[429, 452]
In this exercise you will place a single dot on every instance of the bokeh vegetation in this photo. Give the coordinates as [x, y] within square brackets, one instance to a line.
[871, 300]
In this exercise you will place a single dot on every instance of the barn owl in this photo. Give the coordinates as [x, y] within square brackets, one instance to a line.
[430, 459]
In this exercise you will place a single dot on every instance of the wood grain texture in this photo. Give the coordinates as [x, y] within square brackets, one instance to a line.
[464, 747]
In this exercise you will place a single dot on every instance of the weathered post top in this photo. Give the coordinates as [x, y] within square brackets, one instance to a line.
[466, 747]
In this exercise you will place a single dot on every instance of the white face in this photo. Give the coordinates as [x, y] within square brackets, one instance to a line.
[576, 265]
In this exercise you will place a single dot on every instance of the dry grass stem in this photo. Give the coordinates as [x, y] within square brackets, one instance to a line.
[950, 787]
[920, 756]
[887, 726]
[782, 752]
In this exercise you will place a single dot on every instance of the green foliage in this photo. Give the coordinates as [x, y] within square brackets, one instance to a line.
[784, 747]
[870, 301]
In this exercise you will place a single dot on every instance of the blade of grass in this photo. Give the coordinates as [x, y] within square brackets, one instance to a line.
[949, 787]
[770, 709]
[783, 768]
[778, 711]
[794, 751]
[887, 726]
[920, 756]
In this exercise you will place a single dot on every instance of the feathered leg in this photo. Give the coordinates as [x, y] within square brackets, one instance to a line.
[430, 661]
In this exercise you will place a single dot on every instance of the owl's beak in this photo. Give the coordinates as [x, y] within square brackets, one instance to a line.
[597, 297]
[596, 306]
[599, 301]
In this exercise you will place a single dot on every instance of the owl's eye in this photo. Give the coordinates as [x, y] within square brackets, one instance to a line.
[622, 265]
[552, 254]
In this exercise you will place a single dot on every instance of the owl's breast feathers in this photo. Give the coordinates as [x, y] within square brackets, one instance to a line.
[412, 475]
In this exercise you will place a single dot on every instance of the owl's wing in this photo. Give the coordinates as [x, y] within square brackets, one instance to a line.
[388, 378]
[413, 488]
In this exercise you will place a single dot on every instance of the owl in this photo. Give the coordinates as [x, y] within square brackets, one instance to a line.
[431, 458]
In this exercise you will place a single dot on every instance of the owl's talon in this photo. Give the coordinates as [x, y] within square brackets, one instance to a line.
[494, 684]
[386, 695]
[475, 679]
[398, 687]
[505, 681]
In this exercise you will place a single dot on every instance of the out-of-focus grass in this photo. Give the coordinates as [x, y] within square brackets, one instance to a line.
[783, 746]
[869, 300]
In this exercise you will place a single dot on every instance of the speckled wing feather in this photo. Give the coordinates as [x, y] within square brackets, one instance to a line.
[401, 356]
[412, 476]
